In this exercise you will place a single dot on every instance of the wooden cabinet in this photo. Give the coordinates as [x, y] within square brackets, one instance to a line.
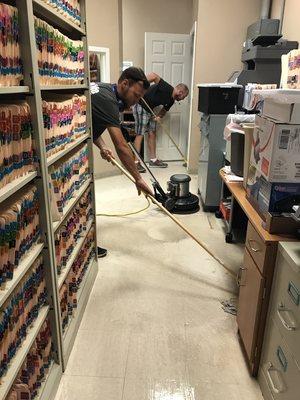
[260, 250]
[251, 285]
[255, 281]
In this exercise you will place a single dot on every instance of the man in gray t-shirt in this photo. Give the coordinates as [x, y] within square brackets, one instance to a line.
[108, 100]
[105, 108]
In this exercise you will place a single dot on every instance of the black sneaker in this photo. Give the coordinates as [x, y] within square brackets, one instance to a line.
[101, 252]
[140, 168]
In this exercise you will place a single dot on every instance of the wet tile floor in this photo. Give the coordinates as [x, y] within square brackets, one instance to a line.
[153, 328]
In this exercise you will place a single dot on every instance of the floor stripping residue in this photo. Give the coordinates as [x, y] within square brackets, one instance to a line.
[166, 231]
[153, 328]
[172, 391]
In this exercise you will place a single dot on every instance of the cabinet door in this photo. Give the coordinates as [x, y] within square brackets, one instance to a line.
[249, 307]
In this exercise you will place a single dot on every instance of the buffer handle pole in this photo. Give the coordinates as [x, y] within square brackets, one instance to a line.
[200, 243]
[165, 130]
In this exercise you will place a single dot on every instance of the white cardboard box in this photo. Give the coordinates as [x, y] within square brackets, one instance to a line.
[275, 150]
[281, 112]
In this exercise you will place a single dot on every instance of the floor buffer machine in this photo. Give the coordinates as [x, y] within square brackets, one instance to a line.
[178, 199]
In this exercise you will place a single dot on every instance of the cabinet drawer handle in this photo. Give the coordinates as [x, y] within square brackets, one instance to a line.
[255, 249]
[291, 325]
[294, 293]
[282, 358]
[239, 276]
[271, 369]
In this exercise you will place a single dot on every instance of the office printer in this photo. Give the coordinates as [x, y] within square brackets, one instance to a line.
[262, 51]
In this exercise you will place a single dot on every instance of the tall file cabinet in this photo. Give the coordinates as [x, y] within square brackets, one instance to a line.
[279, 373]
[212, 148]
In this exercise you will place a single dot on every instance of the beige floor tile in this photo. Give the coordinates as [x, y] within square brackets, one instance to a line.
[157, 353]
[103, 313]
[156, 389]
[180, 390]
[100, 353]
[89, 388]
[110, 302]
[225, 391]
[136, 389]
[154, 324]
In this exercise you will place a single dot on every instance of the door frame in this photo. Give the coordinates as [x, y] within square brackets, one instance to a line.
[104, 56]
[190, 75]
[193, 32]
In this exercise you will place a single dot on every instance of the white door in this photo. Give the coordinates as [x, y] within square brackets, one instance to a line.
[170, 56]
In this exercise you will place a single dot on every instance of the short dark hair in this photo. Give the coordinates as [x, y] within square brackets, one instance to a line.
[182, 86]
[134, 75]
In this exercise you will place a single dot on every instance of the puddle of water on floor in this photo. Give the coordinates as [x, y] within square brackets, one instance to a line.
[172, 391]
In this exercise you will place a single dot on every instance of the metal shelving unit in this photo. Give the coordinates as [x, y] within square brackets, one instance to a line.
[34, 93]
[55, 157]
[65, 271]
[13, 187]
[20, 356]
[73, 201]
[44, 10]
[14, 89]
[63, 87]
[82, 295]
[20, 271]
[52, 381]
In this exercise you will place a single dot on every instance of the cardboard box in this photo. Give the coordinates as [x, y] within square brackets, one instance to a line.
[270, 197]
[293, 76]
[281, 112]
[275, 151]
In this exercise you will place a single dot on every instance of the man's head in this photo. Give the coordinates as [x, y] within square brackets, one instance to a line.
[180, 92]
[132, 85]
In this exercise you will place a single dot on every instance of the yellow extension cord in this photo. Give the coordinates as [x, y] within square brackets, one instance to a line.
[126, 214]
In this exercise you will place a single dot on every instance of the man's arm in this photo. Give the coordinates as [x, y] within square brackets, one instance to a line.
[162, 113]
[153, 77]
[127, 159]
[105, 152]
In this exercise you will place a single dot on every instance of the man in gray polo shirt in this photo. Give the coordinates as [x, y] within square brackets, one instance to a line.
[108, 100]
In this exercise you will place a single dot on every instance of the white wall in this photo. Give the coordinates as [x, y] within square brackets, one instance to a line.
[291, 21]
[104, 28]
[222, 27]
[140, 16]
